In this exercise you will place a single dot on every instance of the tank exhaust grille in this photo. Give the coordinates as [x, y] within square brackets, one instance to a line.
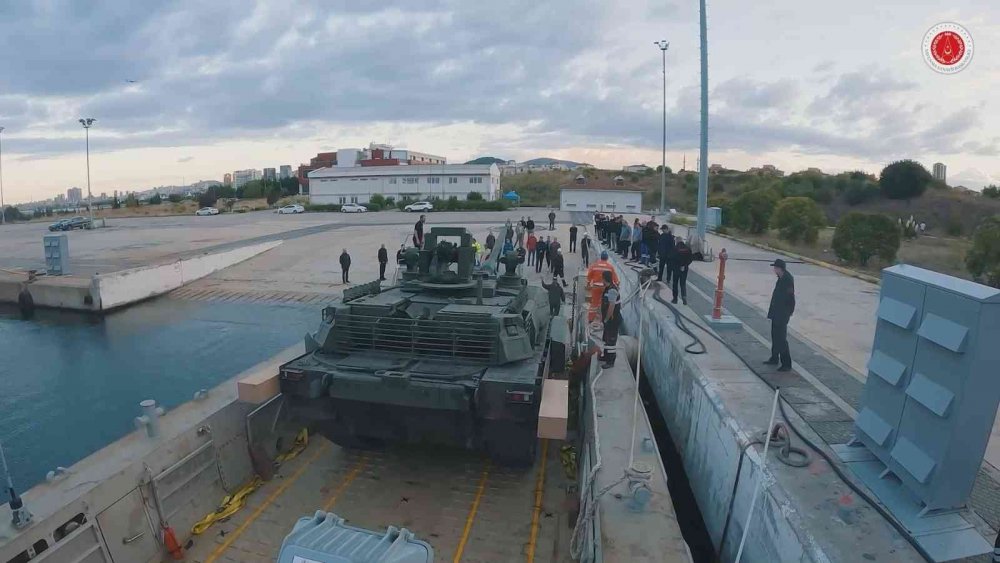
[419, 337]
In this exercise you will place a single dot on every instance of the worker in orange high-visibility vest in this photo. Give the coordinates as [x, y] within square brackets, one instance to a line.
[595, 283]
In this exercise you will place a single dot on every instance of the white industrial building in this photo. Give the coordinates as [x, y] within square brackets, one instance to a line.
[940, 172]
[356, 184]
[600, 196]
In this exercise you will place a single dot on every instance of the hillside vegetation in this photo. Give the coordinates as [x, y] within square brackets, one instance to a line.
[749, 201]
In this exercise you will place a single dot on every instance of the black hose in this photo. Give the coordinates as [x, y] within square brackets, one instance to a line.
[732, 498]
[836, 469]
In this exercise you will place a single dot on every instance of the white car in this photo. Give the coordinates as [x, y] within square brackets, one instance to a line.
[207, 211]
[353, 208]
[419, 206]
[293, 208]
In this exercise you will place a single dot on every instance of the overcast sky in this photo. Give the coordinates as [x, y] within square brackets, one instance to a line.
[226, 84]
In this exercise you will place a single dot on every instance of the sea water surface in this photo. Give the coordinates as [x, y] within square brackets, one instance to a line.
[70, 383]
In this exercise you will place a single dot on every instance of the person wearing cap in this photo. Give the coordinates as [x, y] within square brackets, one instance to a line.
[780, 311]
[595, 282]
[611, 317]
[679, 270]
[558, 266]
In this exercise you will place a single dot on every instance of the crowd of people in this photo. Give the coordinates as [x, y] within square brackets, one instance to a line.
[649, 244]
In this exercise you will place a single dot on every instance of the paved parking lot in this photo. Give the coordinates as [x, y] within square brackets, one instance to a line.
[129, 243]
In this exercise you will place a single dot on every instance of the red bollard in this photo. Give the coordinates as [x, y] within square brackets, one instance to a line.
[717, 310]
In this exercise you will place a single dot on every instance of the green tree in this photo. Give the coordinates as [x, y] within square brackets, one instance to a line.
[289, 186]
[992, 192]
[208, 197]
[174, 198]
[225, 191]
[155, 199]
[273, 194]
[131, 200]
[752, 210]
[904, 179]
[983, 259]
[474, 196]
[860, 236]
[860, 190]
[254, 189]
[12, 213]
[798, 218]
[377, 200]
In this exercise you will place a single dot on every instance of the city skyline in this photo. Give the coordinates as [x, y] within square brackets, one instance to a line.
[565, 81]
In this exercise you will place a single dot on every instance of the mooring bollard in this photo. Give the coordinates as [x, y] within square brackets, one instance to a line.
[719, 292]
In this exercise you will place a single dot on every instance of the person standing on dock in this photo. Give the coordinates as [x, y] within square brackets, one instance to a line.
[491, 240]
[345, 266]
[556, 296]
[530, 225]
[541, 248]
[552, 220]
[585, 249]
[572, 238]
[611, 316]
[383, 261]
[681, 262]
[665, 250]
[418, 232]
[780, 312]
[558, 266]
[531, 243]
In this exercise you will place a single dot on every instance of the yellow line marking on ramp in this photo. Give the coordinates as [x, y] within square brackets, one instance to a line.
[231, 538]
[539, 493]
[472, 513]
[358, 468]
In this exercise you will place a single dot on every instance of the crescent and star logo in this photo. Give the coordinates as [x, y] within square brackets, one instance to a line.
[948, 48]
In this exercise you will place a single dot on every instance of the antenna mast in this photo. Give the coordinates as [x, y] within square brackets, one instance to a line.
[20, 517]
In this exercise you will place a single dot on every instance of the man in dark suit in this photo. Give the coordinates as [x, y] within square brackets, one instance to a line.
[780, 311]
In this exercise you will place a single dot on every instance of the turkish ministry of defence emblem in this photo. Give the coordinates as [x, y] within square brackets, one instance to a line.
[948, 48]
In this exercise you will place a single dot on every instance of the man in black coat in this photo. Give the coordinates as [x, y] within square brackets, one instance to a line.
[552, 220]
[345, 266]
[780, 311]
[383, 260]
[558, 266]
[556, 296]
[541, 251]
[665, 251]
[530, 225]
[572, 238]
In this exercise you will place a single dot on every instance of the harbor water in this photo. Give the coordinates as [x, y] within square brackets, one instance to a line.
[70, 384]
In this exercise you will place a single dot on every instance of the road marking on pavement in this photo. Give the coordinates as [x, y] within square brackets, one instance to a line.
[231, 538]
[539, 493]
[358, 468]
[826, 391]
[472, 513]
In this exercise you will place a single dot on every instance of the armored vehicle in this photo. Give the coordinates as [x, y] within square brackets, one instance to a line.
[452, 354]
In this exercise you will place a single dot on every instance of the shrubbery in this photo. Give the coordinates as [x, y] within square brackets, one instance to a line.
[983, 259]
[798, 218]
[752, 211]
[322, 207]
[861, 236]
[904, 179]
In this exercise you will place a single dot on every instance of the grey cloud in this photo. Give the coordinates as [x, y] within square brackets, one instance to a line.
[823, 66]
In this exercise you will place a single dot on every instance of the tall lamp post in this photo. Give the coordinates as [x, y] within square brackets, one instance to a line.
[663, 45]
[703, 149]
[87, 122]
[3, 210]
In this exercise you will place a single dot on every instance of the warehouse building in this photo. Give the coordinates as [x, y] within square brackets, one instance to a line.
[356, 184]
[600, 196]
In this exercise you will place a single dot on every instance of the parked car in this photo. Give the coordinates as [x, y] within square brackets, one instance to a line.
[70, 224]
[353, 208]
[207, 211]
[419, 206]
[293, 208]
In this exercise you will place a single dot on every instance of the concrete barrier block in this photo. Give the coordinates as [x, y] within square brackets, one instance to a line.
[553, 414]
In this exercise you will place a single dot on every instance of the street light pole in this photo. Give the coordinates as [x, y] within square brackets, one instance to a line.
[87, 122]
[703, 149]
[663, 45]
[3, 210]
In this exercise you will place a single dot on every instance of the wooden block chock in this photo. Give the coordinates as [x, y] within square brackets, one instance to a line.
[553, 414]
[258, 387]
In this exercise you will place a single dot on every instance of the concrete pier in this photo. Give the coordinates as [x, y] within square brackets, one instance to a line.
[715, 408]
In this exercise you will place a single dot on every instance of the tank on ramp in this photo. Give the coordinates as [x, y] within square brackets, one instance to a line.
[452, 355]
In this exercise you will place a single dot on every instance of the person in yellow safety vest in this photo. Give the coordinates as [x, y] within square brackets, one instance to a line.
[478, 250]
[595, 282]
